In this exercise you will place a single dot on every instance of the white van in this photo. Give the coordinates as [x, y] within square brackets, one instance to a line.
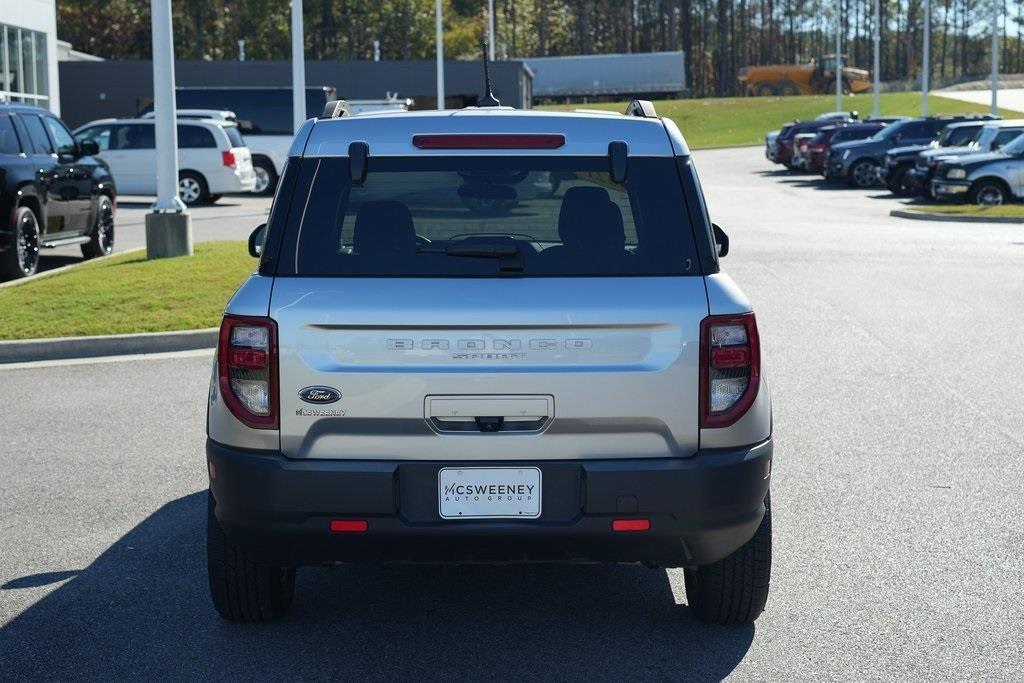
[212, 157]
[264, 117]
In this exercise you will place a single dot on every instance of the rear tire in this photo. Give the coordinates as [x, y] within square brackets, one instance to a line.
[734, 590]
[788, 89]
[101, 239]
[21, 258]
[244, 589]
[266, 176]
[192, 188]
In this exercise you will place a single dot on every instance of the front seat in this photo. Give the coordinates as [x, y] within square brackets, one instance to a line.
[591, 228]
[384, 229]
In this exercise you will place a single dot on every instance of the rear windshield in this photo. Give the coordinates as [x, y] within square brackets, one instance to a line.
[488, 217]
[234, 136]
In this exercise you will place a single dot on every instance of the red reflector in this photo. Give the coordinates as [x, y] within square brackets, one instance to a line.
[213, 471]
[228, 157]
[730, 358]
[247, 359]
[631, 524]
[489, 141]
[348, 526]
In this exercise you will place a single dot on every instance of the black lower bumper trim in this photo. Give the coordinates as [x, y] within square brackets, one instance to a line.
[700, 509]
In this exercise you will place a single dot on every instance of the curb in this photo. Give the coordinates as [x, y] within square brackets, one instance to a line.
[61, 348]
[953, 218]
[64, 269]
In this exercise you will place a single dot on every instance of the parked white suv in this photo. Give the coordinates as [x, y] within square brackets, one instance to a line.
[489, 335]
[212, 157]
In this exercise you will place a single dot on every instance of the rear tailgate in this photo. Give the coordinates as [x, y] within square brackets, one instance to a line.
[612, 361]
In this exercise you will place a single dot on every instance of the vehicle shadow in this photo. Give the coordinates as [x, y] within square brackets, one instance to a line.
[47, 262]
[141, 610]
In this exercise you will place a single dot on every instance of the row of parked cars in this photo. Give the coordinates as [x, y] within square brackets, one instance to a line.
[59, 187]
[973, 158]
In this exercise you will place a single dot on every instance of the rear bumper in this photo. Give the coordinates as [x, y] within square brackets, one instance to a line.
[700, 509]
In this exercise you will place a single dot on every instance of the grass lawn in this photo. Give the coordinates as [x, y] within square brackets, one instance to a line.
[1004, 211]
[744, 120]
[127, 293]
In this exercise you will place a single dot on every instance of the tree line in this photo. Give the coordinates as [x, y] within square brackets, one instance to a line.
[718, 36]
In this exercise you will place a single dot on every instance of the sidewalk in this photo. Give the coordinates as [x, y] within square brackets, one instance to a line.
[1010, 98]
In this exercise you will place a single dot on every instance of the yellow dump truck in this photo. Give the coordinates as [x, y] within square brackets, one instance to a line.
[813, 78]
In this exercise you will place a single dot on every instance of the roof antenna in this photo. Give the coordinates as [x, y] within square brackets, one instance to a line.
[488, 100]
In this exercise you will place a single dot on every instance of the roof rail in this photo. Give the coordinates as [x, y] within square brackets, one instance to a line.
[335, 109]
[642, 108]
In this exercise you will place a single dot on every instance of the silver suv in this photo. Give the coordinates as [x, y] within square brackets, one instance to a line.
[489, 335]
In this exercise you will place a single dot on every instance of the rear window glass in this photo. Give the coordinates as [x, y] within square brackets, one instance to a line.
[482, 217]
[195, 137]
[234, 136]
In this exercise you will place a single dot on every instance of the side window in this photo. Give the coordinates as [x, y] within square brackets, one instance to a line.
[36, 134]
[8, 138]
[98, 134]
[960, 136]
[1005, 136]
[61, 136]
[193, 137]
[134, 136]
[917, 130]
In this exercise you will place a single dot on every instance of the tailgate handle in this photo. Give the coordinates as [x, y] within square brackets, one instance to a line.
[488, 414]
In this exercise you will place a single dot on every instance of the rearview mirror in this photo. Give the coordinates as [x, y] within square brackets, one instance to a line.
[256, 239]
[721, 240]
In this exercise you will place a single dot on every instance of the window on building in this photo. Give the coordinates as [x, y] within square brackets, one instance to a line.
[23, 66]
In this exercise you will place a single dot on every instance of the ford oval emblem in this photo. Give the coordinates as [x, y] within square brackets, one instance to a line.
[319, 395]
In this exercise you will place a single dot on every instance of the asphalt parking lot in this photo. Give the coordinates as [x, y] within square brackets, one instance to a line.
[893, 351]
[232, 217]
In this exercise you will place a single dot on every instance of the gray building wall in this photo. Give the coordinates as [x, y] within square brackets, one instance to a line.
[93, 90]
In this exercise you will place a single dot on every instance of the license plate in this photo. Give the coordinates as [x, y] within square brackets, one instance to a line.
[489, 492]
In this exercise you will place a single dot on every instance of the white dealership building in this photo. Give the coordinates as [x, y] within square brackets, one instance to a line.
[28, 53]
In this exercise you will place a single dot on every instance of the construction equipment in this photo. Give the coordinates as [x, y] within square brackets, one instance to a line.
[812, 78]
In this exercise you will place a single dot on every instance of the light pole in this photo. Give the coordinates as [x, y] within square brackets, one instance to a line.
[298, 68]
[877, 64]
[995, 57]
[490, 30]
[839, 57]
[439, 37]
[168, 225]
[926, 67]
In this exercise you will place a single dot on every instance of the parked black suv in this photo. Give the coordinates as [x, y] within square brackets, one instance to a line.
[53, 191]
[859, 162]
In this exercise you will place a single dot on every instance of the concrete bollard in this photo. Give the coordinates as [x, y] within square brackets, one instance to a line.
[168, 235]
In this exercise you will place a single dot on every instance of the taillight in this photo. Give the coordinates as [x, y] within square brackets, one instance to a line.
[730, 368]
[247, 368]
[228, 157]
[817, 147]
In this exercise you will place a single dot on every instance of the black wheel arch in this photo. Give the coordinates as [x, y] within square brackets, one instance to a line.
[29, 198]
